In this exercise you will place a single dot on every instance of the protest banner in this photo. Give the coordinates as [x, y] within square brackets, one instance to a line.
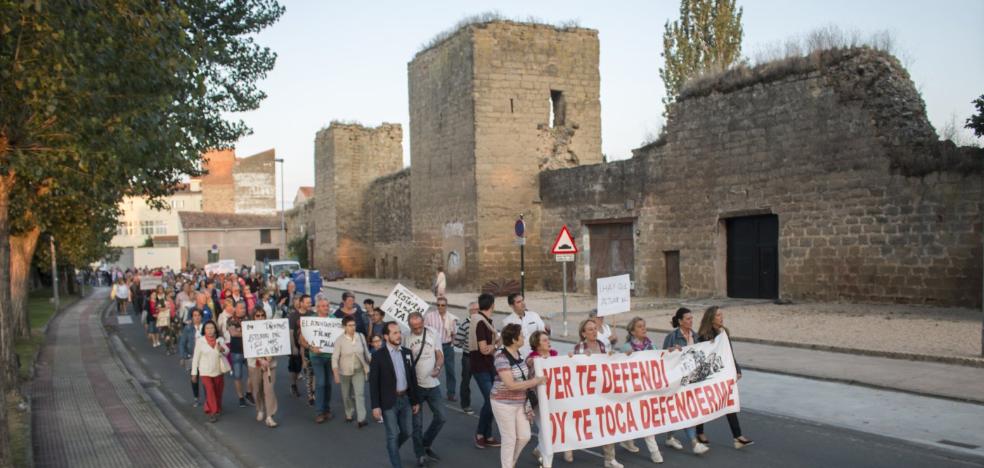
[150, 282]
[266, 338]
[401, 303]
[614, 295]
[321, 332]
[222, 266]
[603, 399]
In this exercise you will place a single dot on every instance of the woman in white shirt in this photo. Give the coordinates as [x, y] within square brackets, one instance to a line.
[209, 363]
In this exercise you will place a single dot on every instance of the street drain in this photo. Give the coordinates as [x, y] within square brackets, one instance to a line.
[958, 444]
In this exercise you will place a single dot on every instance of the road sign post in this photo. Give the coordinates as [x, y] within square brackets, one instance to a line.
[564, 248]
[520, 229]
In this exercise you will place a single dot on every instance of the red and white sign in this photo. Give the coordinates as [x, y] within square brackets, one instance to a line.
[564, 243]
[603, 399]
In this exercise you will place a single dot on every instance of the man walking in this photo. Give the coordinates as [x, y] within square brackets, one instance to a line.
[393, 397]
[461, 342]
[445, 323]
[427, 359]
[482, 341]
[320, 362]
[528, 320]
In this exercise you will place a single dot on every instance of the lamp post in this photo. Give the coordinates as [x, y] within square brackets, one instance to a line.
[283, 199]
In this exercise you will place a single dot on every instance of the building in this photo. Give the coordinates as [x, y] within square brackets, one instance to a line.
[208, 237]
[148, 237]
[239, 185]
[304, 194]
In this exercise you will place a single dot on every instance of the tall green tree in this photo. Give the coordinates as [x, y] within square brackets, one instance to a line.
[121, 95]
[707, 36]
[976, 122]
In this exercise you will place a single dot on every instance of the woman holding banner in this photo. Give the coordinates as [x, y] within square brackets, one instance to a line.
[590, 344]
[711, 325]
[637, 340]
[350, 366]
[262, 375]
[209, 364]
[510, 405]
[683, 335]
[540, 348]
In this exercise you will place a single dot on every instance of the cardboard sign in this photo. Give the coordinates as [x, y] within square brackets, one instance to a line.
[266, 338]
[613, 295]
[602, 399]
[222, 266]
[401, 303]
[321, 332]
[150, 283]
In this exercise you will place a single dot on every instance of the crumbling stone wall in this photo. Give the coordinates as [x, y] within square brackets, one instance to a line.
[871, 207]
[388, 211]
[481, 131]
[347, 158]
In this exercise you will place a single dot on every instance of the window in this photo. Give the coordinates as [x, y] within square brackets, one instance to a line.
[558, 108]
[124, 228]
[264, 236]
[152, 227]
[177, 204]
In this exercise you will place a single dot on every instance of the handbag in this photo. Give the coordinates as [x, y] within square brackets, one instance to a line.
[224, 366]
[530, 393]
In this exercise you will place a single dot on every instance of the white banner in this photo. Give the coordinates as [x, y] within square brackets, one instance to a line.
[266, 338]
[150, 283]
[589, 401]
[401, 302]
[321, 332]
[613, 295]
[222, 266]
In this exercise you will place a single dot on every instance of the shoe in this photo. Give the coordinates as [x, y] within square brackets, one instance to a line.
[656, 457]
[630, 446]
[213, 418]
[422, 461]
[673, 442]
[293, 391]
[569, 456]
[702, 438]
[348, 419]
[492, 442]
[537, 455]
[311, 402]
[259, 416]
[452, 398]
[319, 419]
[242, 402]
[361, 424]
[271, 423]
[249, 399]
[430, 454]
[328, 416]
[194, 404]
[468, 410]
[700, 449]
[739, 443]
[480, 442]
[613, 464]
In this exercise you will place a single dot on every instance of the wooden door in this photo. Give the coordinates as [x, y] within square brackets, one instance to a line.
[672, 260]
[753, 260]
[612, 251]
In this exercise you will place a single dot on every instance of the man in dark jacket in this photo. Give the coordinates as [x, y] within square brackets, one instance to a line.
[392, 390]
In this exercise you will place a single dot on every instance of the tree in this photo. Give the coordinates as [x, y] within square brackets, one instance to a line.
[706, 37]
[976, 122]
[108, 98]
[298, 248]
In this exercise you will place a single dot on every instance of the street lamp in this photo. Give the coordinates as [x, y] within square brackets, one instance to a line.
[283, 199]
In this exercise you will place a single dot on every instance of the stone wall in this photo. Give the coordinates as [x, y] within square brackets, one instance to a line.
[871, 207]
[218, 188]
[388, 210]
[347, 158]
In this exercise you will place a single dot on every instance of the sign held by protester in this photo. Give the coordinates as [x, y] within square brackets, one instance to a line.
[603, 399]
[266, 338]
[222, 266]
[614, 295]
[402, 302]
[150, 283]
[321, 332]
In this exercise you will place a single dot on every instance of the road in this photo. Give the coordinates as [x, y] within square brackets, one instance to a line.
[299, 442]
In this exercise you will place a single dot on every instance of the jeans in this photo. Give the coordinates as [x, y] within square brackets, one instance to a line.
[732, 423]
[432, 397]
[465, 390]
[397, 423]
[322, 393]
[239, 370]
[449, 377]
[484, 381]
[690, 434]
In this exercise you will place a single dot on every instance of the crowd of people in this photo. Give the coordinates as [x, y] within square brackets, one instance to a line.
[200, 317]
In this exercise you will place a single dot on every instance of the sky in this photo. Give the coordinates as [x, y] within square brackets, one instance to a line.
[348, 60]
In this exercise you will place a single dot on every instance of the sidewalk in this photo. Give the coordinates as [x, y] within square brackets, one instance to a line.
[911, 352]
[86, 410]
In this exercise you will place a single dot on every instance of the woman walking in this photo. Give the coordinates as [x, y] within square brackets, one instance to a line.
[169, 325]
[540, 348]
[711, 325]
[510, 406]
[186, 346]
[234, 336]
[590, 344]
[637, 340]
[350, 366]
[262, 375]
[683, 334]
[158, 303]
[208, 364]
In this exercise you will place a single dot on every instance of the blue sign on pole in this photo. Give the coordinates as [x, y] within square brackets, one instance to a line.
[520, 227]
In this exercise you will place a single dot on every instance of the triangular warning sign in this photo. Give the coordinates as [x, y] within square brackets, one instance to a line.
[564, 243]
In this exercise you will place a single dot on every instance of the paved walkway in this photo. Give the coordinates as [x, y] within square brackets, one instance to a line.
[952, 381]
[86, 411]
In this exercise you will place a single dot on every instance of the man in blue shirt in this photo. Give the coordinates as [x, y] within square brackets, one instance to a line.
[391, 389]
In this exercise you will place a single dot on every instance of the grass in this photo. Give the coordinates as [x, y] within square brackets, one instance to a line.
[40, 311]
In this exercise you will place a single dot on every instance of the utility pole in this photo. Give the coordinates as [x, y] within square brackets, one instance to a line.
[283, 200]
[54, 271]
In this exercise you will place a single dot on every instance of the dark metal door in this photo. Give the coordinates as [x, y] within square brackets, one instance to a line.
[612, 251]
[672, 258]
[753, 260]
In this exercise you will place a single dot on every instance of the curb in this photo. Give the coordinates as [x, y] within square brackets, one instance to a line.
[204, 442]
[954, 360]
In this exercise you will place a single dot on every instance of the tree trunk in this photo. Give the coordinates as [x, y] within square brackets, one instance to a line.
[21, 252]
[8, 369]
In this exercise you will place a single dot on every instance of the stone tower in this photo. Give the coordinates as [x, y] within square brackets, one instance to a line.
[347, 157]
[491, 106]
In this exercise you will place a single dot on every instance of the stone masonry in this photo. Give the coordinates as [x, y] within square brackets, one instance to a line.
[239, 185]
[347, 157]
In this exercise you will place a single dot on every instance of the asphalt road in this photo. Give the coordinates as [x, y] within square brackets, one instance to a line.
[299, 442]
